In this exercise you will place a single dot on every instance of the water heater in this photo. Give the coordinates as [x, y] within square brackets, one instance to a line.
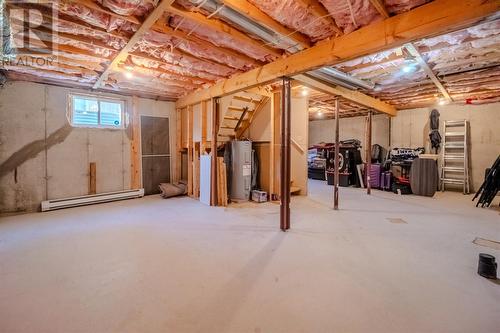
[241, 181]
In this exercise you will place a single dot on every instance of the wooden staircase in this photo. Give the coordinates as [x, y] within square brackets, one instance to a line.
[237, 118]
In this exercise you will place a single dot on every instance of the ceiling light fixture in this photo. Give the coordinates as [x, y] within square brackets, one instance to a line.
[442, 101]
[129, 75]
[408, 68]
[305, 92]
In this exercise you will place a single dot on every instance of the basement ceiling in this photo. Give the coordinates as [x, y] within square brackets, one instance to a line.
[195, 43]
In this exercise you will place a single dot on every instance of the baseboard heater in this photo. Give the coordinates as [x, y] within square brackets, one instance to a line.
[91, 199]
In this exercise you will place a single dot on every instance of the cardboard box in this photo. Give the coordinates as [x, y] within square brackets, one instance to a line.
[259, 196]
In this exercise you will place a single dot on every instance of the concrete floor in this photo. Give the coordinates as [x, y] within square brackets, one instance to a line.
[154, 265]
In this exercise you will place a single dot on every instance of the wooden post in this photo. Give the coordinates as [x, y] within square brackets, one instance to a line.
[135, 158]
[368, 151]
[285, 156]
[203, 123]
[178, 145]
[274, 152]
[337, 152]
[190, 148]
[92, 178]
[213, 150]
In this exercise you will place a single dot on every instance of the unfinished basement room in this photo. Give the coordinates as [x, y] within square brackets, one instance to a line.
[260, 166]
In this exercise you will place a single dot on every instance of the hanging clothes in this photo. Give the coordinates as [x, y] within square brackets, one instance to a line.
[434, 135]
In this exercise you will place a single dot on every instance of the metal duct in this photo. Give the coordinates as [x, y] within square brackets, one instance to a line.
[254, 28]
[337, 77]
[327, 74]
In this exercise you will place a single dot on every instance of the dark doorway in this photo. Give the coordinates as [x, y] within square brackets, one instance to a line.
[155, 153]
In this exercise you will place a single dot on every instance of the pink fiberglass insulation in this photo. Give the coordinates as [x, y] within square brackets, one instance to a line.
[68, 27]
[348, 20]
[295, 15]
[60, 75]
[195, 49]
[186, 71]
[164, 53]
[94, 18]
[220, 39]
[154, 69]
[128, 7]
[96, 50]
[401, 6]
[147, 84]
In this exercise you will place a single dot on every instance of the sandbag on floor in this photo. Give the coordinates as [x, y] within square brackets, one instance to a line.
[172, 190]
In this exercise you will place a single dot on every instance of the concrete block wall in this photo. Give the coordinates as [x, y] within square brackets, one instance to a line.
[29, 114]
[350, 128]
[410, 128]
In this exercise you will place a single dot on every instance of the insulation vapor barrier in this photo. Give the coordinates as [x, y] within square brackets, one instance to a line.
[94, 18]
[219, 38]
[295, 15]
[128, 7]
[159, 40]
[166, 55]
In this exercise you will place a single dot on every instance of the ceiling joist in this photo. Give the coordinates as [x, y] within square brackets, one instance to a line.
[220, 26]
[354, 96]
[318, 10]
[254, 13]
[380, 7]
[423, 64]
[435, 18]
[123, 54]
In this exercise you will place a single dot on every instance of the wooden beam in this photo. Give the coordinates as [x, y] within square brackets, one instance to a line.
[220, 26]
[92, 178]
[275, 146]
[355, 96]
[434, 18]
[380, 7]
[123, 54]
[135, 143]
[285, 155]
[423, 64]
[213, 151]
[178, 145]
[319, 10]
[190, 149]
[203, 122]
[254, 13]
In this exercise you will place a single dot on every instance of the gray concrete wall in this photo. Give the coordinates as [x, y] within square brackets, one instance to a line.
[350, 128]
[411, 129]
[29, 114]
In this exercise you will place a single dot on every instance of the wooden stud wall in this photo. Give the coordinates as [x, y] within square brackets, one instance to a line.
[135, 158]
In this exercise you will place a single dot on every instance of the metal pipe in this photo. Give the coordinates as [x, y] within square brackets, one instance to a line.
[337, 152]
[285, 155]
[368, 151]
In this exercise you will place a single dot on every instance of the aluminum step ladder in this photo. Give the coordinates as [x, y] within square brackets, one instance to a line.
[455, 155]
